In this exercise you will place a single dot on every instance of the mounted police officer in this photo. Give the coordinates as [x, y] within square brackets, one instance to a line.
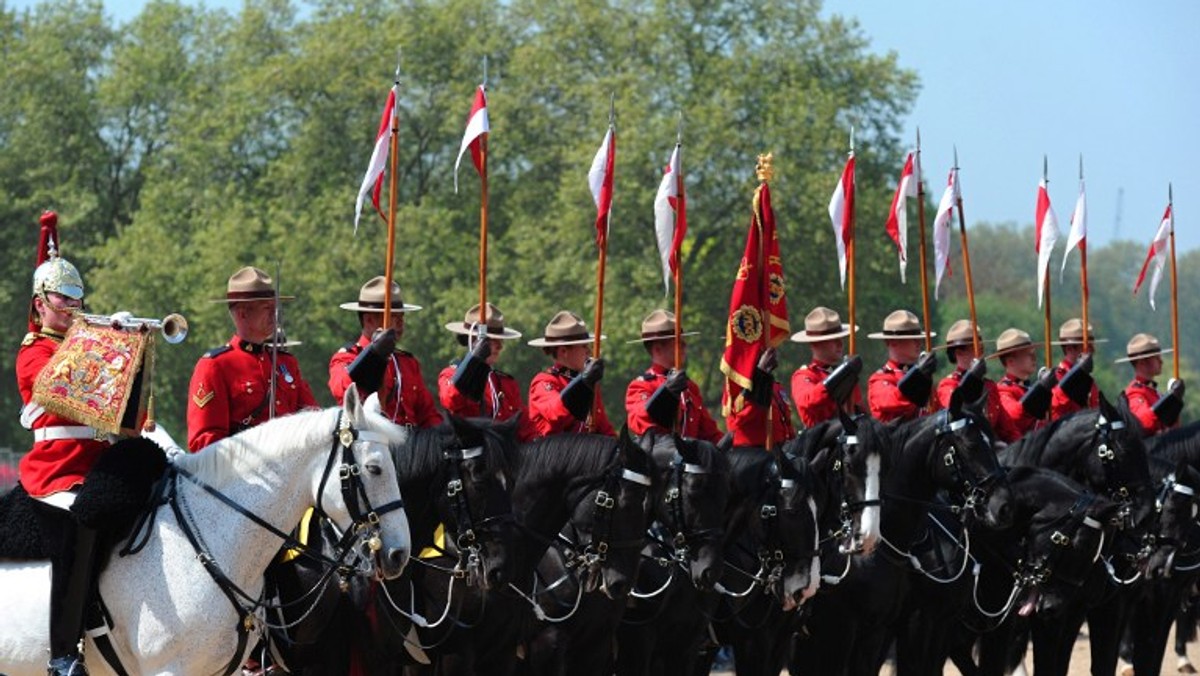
[231, 385]
[960, 350]
[827, 382]
[373, 363]
[473, 386]
[901, 388]
[566, 396]
[1156, 412]
[664, 398]
[1076, 390]
[1025, 404]
[62, 454]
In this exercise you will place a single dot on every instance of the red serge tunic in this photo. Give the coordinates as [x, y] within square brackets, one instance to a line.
[1060, 403]
[749, 425]
[501, 400]
[994, 411]
[694, 419]
[547, 412]
[1142, 396]
[884, 397]
[57, 461]
[229, 391]
[1016, 421]
[404, 398]
[813, 402]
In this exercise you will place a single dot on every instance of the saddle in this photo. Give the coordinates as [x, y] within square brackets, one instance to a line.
[115, 493]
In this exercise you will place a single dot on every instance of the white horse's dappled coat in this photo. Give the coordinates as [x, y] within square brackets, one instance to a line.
[170, 616]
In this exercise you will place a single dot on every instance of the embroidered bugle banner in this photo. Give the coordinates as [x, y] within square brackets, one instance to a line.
[92, 374]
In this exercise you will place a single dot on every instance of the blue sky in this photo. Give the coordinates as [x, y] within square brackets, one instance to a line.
[1010, 81]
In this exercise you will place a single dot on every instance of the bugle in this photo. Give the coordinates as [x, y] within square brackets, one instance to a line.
[174, 327]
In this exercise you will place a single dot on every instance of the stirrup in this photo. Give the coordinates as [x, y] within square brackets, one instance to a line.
[67, 665]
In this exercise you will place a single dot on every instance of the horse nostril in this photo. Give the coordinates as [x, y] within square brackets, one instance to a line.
[617, 588]
[397, 558]
[495, 577]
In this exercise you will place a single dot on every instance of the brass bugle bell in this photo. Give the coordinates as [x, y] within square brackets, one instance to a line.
[174, 327]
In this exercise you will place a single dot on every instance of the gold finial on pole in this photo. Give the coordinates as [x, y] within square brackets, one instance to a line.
[765, 169]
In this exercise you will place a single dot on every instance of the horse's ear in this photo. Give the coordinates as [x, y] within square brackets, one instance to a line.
[1107, 410]
[372, 404]
[849, 425]
[352, 404]
[725, 442]
[686, 449]
[956, 404]
[820, 462]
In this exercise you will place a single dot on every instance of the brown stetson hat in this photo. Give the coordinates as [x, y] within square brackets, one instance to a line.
[1141, 346]
[565, 328]
[822, 324]
[495, 324]
[250, 284]
[900, 324]
[659, 325]
[959, 334]
[1071, 333]
[1013, 340]
[371, 297]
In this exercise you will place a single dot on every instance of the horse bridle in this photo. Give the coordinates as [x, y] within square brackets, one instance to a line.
[467, 540]
[591, 554]
[974, 489]
[683, 537]
[1118, 489]
[1043, 569]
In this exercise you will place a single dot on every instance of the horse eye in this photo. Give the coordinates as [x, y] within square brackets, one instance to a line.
[374, 470]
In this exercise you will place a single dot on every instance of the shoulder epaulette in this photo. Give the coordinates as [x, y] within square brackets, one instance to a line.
[404, 353]
[349, 346]
[29, 338]
[217, 352]
[502, 374]
[649, 375]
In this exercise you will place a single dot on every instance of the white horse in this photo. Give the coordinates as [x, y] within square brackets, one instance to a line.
[169, 617]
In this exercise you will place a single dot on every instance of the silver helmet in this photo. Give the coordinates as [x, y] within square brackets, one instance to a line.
[57, 275]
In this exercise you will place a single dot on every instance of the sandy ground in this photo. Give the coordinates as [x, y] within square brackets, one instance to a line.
[1080, 661]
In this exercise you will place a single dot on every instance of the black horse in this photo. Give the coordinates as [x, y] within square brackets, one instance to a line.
[663, 627]
[451, 475]
[1177, 454]
[949, 451]
[1037, 565]
[595, 484]
[1102, 449]
[772, 553]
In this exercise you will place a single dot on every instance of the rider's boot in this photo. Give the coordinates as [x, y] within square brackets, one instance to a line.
[70, 591]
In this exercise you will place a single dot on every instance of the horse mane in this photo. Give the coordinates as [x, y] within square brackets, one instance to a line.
[419, 451]
[749, 468]
[234, 457]
[1030, 448]
[567, 454]
[1181, 442]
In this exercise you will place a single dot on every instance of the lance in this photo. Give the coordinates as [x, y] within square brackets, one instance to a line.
[393, 180]
[1174, 287]
[678, 272]
[764, 172]
[962, 229]
[1046, 279]
[589, 424]
[603, 241]
[921, 248]
[483, 217]
[1083, 276]
[850, 249]
[273, 383]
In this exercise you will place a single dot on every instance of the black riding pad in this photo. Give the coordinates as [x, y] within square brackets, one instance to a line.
[115, 492]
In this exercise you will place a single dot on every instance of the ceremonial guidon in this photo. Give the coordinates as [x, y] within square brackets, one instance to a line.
[959, 346]
[473, 386]
[828, 381]
[664, 398]
[1025, 404]
[1076, 390]
[566, 396]
[901, 388]
[375, 364]
[1156, 412]
[231, 385]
